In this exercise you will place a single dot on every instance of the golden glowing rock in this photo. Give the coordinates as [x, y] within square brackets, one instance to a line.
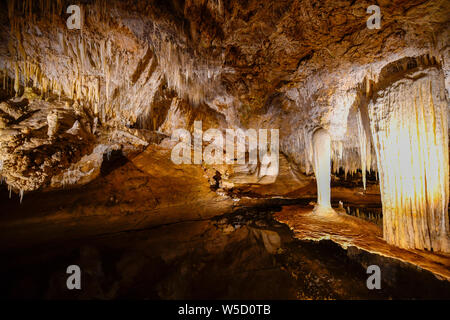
[409, 125]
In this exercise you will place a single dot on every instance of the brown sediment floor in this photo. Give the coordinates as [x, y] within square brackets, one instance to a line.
[349, 231]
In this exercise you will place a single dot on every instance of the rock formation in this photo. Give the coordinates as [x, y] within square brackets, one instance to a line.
[322, 168]
[409, 125]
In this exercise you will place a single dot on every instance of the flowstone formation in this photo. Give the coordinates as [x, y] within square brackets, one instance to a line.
[409, 124]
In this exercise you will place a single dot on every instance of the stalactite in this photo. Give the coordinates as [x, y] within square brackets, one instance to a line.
[299, 148]
[408, 120]
[184, 71]
[363, 148]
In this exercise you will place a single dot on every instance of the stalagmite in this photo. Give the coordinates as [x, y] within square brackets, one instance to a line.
[322, 169]
[408, 120]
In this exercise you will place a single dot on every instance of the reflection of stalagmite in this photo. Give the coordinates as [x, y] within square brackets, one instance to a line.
[322, 169]
[408, 121]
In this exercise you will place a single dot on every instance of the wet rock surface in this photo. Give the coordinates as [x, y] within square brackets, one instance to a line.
[349, 231]
[243, 254]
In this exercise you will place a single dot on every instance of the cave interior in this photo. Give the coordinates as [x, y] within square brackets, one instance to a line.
[224, 149]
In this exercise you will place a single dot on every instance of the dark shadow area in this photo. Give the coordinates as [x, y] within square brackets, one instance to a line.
[227, 257]
[111, 161]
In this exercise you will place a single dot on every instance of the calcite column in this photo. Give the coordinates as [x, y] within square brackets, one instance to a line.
[408, 120]
[322, 169]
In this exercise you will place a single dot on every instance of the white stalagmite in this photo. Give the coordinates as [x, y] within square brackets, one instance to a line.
[408, 120]
[322, 168]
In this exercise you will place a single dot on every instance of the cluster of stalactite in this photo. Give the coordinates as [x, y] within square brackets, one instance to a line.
[298, 147]
[111, 80]
[349, 156]
[86, 62]
[373, 215]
